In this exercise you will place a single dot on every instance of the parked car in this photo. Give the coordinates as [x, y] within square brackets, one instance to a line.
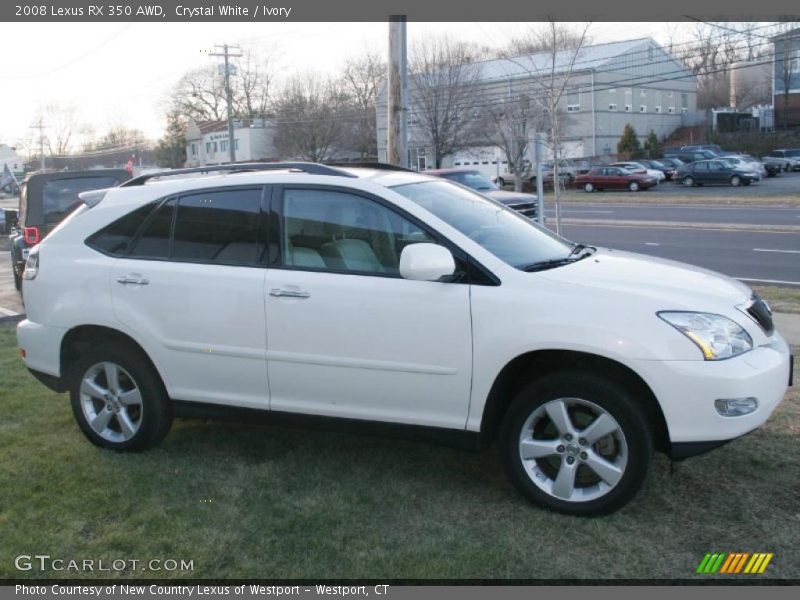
[45, 198]
[712, 147]
[746, 162]
[718, 171]
[638, 167]
[790, 158]
[525, 204]
[675, 163]
[389, 299]
[614, 178]
[667, 170]
[774, 166]
[689, 156]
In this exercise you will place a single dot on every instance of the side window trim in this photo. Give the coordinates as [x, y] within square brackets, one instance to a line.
[474, 272]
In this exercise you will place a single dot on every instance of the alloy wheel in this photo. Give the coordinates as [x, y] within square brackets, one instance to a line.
[111, 402]
[573, 450]
[588, 187]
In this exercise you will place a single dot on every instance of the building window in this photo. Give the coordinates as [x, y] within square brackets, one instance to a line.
[573, 100]
[657, 107]
[208, 147]
[671, 109]
[612, 106]
[642, 108]
[684, 102]
[628, 99]
[194, 149]
[223, 146]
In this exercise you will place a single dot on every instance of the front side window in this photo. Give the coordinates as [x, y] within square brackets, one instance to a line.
[512, 238]
[338, 231]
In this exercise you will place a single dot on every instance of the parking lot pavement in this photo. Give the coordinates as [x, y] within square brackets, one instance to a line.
[10, 301]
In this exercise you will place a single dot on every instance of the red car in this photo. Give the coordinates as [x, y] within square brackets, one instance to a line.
[614, 178]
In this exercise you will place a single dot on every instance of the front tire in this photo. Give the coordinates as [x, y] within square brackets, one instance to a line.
[589, 188]
[736, 181]
[118, 398]
[576, 443]
[501, 182]
[634, 186]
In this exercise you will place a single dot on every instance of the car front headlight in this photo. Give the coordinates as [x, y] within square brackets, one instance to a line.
[717, 337]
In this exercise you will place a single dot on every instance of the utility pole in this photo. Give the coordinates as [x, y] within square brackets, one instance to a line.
[40, 127]
[227, 54]
[397, 131]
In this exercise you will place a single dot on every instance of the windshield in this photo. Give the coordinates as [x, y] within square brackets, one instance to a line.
[60, 195]
[512, 238]
[471, 179]
[793, 153]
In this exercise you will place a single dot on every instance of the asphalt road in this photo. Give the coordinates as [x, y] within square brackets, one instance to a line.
[751, 256]
[689, 213]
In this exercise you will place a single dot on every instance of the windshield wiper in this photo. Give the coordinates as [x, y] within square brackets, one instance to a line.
[573, 256]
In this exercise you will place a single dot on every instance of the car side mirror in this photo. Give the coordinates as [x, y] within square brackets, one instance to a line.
[426, 262]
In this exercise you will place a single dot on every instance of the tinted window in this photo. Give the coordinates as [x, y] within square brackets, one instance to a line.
[114, 238]
[701, 166]
[154, 239]
[338, 231]
[60, 195]
[218, 227]
[471, 179]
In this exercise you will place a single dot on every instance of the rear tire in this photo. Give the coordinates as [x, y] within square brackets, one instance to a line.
[17, 279]
[549, 460]
[688, 181]
[118, 398]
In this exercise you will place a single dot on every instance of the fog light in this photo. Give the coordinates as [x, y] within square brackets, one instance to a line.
[735, 407]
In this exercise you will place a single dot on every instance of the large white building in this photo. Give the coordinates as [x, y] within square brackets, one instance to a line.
[207, 143]
[635, 81]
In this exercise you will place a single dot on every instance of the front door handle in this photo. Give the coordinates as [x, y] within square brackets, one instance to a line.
[132, 280]
[279, 293]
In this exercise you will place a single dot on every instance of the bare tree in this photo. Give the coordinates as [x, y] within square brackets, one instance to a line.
[361, 82]
[61, 123]
[787, 62]
[251, 84]
[442, 79]
[552, 77]
[309, 118]
[536, 40]
[200, 95]
[508, 124]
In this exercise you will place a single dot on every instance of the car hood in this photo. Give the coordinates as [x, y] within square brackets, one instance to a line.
[672, 284]
[509, 197]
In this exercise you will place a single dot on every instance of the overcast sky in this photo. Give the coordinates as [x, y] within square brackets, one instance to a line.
[116, 73]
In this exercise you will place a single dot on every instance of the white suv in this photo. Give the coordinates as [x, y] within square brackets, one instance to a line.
[379, 297]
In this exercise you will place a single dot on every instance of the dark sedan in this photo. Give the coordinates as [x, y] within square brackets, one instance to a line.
[614, 178]
[719, 172]
[668, 170]
[525, 204]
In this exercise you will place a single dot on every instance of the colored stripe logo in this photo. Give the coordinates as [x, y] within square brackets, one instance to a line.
[734, 563]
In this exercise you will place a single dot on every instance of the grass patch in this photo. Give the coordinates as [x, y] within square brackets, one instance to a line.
[780, 299]
[245, 500]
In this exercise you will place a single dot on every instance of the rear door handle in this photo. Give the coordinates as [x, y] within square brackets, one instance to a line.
[279, 293]
[132, 280]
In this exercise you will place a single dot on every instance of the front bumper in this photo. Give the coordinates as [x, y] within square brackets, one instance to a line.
[686, 391]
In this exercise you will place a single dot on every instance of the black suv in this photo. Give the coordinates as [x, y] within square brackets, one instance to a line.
[690, 156]
[715, 172]
[45, 199]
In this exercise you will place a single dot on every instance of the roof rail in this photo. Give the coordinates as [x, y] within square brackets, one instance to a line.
[306, 167]
[369, 165]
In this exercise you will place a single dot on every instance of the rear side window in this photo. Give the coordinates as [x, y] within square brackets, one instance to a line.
[218, 227]
[154, 239]
[114, 238]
